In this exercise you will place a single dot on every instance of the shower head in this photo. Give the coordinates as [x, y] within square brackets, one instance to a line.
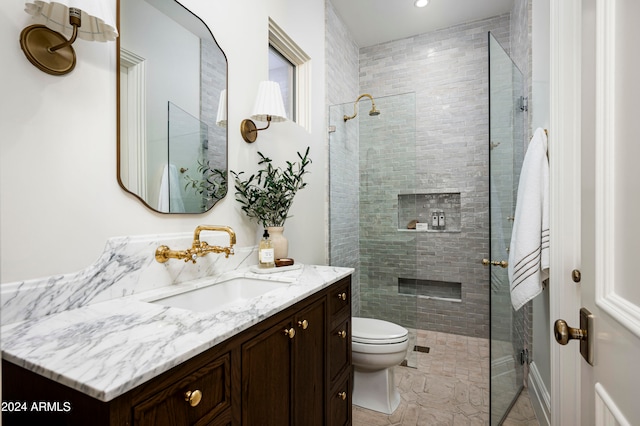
[372, 113]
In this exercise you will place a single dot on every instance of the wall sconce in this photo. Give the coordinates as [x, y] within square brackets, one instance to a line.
[268, 107]
[48, 49]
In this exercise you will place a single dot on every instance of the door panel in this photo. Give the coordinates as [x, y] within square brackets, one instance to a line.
[614, 294]
[606, 141]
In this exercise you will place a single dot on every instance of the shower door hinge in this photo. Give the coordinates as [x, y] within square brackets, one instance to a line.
[524, 103]
[524, 356]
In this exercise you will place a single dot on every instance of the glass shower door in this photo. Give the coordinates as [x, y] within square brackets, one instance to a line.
[372, 179]
[506, 144]
[186, 153]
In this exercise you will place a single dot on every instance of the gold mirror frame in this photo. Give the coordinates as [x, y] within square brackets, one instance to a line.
[207, 185]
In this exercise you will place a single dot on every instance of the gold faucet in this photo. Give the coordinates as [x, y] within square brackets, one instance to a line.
[198, 248]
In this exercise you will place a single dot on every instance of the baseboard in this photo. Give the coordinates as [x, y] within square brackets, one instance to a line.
[539, 396]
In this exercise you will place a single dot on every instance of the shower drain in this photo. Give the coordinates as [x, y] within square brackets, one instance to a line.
[416, 348]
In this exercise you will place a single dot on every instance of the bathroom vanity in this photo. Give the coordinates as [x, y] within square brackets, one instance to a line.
[280, 358]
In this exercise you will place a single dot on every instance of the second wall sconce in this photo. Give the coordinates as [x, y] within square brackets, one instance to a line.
[221, 117]
[44, 44]
[268, 107]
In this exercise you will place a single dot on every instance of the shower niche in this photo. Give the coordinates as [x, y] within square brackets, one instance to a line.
[430, 289]
[429, 212]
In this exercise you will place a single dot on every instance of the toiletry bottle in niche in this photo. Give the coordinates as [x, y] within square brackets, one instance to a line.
[441, 223]
[434, 219]
[266, 258]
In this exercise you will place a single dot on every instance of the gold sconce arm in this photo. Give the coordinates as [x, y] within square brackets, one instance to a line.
[44, 43]
[249, 131]
[49, 50]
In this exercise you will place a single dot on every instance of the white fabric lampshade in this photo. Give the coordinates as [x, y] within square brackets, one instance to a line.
[269, 103]
[221, 118]
[97, 22]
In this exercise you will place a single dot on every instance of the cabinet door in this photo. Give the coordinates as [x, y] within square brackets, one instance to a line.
[340, 401]
[266, 377]
[309, 366]
[340, 299]
[339, 349]
[209, 388]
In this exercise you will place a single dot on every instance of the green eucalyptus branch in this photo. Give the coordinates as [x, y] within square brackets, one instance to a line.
[267, 195]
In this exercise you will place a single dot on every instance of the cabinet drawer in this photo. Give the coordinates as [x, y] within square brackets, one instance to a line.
[340, 298]
[339, 348]
[340, 401]
[211, 384]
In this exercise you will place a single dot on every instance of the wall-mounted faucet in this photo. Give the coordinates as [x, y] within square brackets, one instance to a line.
[198, 248]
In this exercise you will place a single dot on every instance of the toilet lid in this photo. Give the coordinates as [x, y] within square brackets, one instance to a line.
[375, 331]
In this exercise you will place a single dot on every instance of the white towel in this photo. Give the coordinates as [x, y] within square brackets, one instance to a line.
[529, 250]
[170, 199]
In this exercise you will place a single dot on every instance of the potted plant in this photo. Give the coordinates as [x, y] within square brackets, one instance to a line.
[267, 195]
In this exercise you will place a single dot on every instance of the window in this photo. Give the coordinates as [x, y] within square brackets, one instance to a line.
[282, 71]
[290, 67]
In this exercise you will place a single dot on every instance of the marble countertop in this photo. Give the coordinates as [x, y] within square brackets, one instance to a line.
[108, 348]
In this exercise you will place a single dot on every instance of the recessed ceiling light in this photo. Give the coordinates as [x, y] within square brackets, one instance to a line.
[421, 3]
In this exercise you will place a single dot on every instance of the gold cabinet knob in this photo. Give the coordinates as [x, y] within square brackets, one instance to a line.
[304, 324]
[342, 334]
[193, 397]
[342, 395]
[342, 296]
[290, 332]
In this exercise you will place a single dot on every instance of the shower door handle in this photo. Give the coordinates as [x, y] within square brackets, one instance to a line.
[501, 263]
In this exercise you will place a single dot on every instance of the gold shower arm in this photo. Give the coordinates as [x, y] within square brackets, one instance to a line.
[355, 107]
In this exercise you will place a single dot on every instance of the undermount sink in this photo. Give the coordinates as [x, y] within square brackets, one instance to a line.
[217, 296]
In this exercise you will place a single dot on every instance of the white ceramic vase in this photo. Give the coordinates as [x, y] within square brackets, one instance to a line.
[279, 241]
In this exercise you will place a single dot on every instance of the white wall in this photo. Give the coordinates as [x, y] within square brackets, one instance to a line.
[59, 197]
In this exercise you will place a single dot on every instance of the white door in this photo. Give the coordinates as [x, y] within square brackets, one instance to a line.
[596, 219]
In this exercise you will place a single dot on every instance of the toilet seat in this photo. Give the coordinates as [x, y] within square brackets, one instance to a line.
[373, 331]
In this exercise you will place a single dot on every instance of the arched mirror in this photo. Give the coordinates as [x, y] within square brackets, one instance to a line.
[172, 108]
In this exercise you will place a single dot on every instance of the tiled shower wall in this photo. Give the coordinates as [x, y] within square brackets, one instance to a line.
[342, 77]
[447, 71]
[213, 76]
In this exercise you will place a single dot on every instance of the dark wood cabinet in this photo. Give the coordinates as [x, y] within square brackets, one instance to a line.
[283, 371]
[340, 370]
[308, 365]
[293, 368]
[196, 399]
[339, 404]
[266, 377]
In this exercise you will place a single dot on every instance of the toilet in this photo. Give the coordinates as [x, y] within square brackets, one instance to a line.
[377, 346]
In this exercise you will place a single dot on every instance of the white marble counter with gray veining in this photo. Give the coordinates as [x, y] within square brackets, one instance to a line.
[105, 348]
[108, 348]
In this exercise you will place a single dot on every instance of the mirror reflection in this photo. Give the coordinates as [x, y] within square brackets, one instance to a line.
[172, 136]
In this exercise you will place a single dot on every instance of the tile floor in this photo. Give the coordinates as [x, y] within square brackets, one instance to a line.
[450, 386]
